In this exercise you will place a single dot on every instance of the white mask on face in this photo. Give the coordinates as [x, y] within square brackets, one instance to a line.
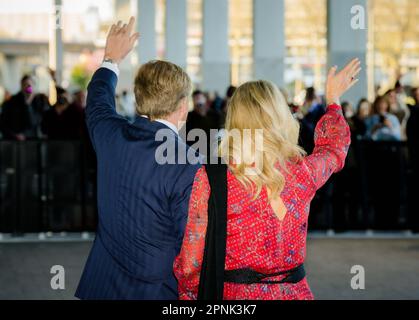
[349, 114]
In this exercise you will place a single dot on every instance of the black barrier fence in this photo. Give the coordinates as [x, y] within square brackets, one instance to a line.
[47, 186]
[375, 190]
[51, 186]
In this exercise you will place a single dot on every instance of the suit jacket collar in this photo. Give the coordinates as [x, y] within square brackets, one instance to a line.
[151, 126]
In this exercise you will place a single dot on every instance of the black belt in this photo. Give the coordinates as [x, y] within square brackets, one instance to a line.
[249, 276]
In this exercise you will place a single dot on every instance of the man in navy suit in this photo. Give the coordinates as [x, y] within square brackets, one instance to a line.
[142, 200]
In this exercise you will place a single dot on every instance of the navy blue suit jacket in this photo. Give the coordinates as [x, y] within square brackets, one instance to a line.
[142, 204]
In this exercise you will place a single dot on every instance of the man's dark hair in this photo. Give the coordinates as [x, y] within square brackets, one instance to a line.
[377, 102]
[345, 104]
[361, 101]
[60, 90]
[310, 94]
[25, 77]
[196, 92]
[230, 91]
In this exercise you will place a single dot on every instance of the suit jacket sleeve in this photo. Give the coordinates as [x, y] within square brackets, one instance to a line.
[101, 116]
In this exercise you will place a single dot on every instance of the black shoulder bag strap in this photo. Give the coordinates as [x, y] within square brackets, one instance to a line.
[211, 282]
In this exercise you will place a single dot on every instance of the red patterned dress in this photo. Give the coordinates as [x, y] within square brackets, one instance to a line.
[256, 238]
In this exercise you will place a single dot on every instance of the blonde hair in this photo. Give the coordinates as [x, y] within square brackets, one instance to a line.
[159, 87]
[260, 105]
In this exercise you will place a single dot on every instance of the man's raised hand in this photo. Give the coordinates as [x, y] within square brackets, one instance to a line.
[120, 40]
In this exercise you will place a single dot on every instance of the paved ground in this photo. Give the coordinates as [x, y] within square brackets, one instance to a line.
[391, 268]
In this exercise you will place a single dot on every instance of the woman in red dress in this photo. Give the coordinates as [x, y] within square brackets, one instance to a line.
[267, 209]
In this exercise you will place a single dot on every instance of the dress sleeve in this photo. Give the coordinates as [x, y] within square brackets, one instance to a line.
[332, 138]
[187, 265]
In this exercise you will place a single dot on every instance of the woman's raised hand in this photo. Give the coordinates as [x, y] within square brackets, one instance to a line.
[338, 84]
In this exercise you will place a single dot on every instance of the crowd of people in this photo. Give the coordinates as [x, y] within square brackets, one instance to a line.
[393, 116]
[29, 115]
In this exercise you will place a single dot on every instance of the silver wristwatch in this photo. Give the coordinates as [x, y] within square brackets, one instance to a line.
[108, 60]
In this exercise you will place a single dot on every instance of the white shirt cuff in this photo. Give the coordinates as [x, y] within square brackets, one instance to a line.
[111, 66]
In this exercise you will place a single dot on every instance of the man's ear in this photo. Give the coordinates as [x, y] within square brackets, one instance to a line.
[187, 103]
[184, 105]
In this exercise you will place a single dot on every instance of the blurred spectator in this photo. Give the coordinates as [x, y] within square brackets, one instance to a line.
[413, 122]
[313, 110]
[217, 103]
[202, 117]
[16, 120]
[412, 131]
[311, 101]
[383, 125]
[126, 105]
[348, 110]
[7, 96]
[79, 105]
[396, 99]
[230, 92]
[79, 100]
[400, 95]
[357, 123]
[64, 120]
[40, 104]
[348, 113]
[224, 105]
